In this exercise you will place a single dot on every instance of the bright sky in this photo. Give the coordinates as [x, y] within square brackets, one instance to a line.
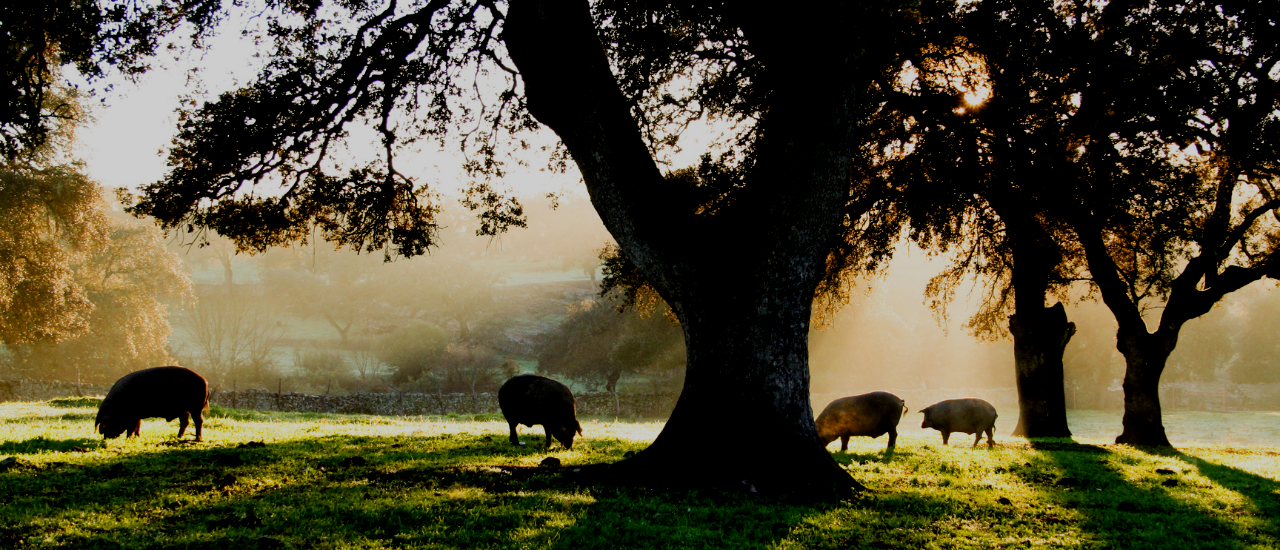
[124, 146]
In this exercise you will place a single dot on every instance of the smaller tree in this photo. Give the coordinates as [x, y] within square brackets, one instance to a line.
[128, 281]
[322, 369]
[234, 338]
[598, 344]
[50, 218]
[1174, 193]
[412, 351]
[1257, 344]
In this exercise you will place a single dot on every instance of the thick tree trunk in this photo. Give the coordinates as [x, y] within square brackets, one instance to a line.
[1039, 337]
[1040, 334]
[746, 387]
[1145, 356]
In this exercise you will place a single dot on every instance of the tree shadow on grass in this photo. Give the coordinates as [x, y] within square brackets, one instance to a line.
[1262, 492]
[43, 444]
[1116, 511]
[452, 490]
[332, 491]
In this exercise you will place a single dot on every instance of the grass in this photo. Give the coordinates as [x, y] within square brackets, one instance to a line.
[291, 480]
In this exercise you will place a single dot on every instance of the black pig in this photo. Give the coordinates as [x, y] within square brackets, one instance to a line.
[530, 399]
[969, 415]
[870, 414]
[165, 392]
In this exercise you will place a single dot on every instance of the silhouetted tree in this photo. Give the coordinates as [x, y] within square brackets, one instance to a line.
[38, 38]
[1171, 189]
[739, 264]
[974, 177]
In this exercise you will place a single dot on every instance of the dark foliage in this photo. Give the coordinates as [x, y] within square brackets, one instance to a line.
[38, 38]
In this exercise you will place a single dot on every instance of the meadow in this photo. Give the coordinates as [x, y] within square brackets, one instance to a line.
[299, 480]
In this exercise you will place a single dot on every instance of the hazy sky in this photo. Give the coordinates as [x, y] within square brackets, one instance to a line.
[134, 122]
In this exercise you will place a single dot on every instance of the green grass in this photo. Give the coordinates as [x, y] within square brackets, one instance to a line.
[355, 481]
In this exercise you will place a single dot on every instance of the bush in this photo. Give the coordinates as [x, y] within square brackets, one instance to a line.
[412, 350]
[323, 369]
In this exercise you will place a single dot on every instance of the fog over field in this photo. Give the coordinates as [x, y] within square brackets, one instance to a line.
[314, 319]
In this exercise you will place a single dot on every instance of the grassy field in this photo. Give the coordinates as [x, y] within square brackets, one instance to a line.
[291, 480]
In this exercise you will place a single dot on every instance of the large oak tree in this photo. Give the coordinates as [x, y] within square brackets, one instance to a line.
[739, 264]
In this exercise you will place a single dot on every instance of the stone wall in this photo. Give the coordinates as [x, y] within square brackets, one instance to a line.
[1174, 396]
[591, 404]
[40, 390]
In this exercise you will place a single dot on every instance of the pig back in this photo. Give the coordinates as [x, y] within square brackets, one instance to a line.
[530, 399]
[968, 415]
[164, 392]
[870, 414]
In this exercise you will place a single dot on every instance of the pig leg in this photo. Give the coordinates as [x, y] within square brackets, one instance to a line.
[548, 430]
[182, 424]
[893, 438]
[137, 429]
[514, 439]
[844, 443]
[990, 431]
[198, 418]
[945, 436]
[977, 438]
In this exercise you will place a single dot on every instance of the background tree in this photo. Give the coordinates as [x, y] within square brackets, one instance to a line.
[235, 339]
[1174, 191]
[49, 219]
[413, 350]
[344, 289]
[131, 281]
[987, 115]
[598, 343]
[1255, 344]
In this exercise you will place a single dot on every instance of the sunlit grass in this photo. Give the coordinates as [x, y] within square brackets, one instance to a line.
[355, 481]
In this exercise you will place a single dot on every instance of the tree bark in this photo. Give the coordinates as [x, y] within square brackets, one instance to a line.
[1039, 339]
[747, 383]
[1145, 356]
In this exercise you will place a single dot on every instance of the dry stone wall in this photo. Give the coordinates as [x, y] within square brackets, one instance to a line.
[657, 405]
[1175, 396]
[41, 390]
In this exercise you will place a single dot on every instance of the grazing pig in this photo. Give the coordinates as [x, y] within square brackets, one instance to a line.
[870, 414]
[530, 399]
[969, 415]
[165, 392]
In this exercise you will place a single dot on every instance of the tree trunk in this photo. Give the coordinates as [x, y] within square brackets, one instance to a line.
[343, 331]
[1040, 334]
[1145, 356]
[611, 380]
[746, 385]
[1039, 338]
